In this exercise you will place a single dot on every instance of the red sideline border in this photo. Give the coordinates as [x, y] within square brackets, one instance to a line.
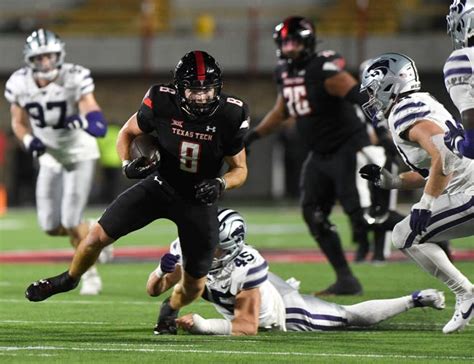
[154, 254]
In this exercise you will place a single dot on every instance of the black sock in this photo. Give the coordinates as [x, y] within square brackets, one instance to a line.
[63, 282]
[330, 244]
[166, 311]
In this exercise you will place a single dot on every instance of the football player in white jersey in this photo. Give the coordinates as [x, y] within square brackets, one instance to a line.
[446, 210]
[56, 117]
[459, 76]
[249, 297]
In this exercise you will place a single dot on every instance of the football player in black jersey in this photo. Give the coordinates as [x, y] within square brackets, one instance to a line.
[315, 89]
[197, 128]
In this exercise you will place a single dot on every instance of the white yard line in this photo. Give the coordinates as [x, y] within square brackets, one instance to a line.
[227, 352]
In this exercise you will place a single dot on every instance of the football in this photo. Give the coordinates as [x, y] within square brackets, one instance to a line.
[145, 145]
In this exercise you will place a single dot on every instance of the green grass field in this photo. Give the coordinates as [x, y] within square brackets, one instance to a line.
[116, 327]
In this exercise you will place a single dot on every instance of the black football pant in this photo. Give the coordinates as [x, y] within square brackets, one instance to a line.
[325, 179]
[149, 200]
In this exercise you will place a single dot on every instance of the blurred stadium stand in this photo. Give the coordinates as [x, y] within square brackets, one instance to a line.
[130, 44]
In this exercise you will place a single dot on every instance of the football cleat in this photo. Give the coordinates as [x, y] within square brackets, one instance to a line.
[91, 283]
[345, 286]
[429, 298]
[166, 320]
[45, 288]
[165, 328]
[463, 313]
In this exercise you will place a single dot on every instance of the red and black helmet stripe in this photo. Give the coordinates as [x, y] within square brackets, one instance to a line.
[200, 65]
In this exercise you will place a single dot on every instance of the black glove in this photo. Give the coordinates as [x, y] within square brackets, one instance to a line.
[370, 172]
[209, 190]
[380, 177]
[249, 138]
[139, 168]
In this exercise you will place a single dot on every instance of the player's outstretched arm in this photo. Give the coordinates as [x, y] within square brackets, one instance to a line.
[245, 322]
[271, 122]
[165, 276]
[90, 117]
[431, 138]
[22, 130]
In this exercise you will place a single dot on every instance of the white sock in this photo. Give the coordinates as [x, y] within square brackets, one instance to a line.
[435, 261]
[372, 312]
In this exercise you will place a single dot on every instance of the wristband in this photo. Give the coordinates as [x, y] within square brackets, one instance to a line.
[426, 201]
[125, 162]
[27, 139]
[158, 272]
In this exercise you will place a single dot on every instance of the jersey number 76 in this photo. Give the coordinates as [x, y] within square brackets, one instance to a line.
[296, 101]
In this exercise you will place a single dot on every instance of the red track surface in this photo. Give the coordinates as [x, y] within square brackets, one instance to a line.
[153, 254]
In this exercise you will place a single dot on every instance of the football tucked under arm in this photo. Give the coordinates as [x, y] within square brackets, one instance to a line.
[145, 157]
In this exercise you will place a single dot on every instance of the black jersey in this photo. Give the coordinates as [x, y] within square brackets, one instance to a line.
[192, 149]
[324, 121]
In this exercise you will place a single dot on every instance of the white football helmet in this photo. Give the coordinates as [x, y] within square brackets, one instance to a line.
[460, 21]
[232, 230]
[385, 79]
[43, 41]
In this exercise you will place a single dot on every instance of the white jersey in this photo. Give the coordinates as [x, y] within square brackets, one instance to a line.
[249, 270]
[422, 106]
[458, 78]
[49, 106]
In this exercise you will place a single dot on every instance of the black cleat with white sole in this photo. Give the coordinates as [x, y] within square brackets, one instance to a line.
[45, 288]
[166, 320]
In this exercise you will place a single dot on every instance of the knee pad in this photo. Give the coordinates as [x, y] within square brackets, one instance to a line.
[317, 221]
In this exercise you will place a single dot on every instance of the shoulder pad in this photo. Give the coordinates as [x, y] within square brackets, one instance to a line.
[77, 76]
[16, 84]
[407, 112]
[332, 61]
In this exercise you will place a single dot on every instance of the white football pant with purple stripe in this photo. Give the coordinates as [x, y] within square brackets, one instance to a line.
[452, 217]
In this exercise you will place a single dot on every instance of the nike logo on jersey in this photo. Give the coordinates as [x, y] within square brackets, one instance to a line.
[465, 315]
[158, 180]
